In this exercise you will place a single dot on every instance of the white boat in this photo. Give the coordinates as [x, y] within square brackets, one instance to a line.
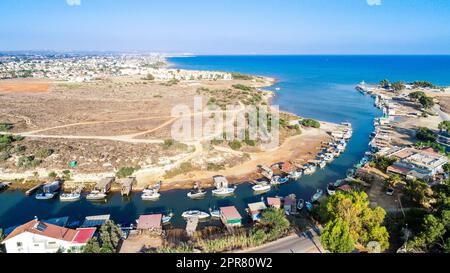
[166, 219]
[295, 175]
[301, 204]
[45, 196]
[150, 195]
[215, 214]
[310, 169]
[195, 214]
[317, 195]
[224, 191]
[331, 189]
[322, 164]
[96, 195]
[197, 192]
[70, 197]
[328, 157]
[261, 188]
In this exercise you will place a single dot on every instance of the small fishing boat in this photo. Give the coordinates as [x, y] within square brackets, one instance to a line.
[301, 204]
[351, 173]
[261, 188]
[295, 175]
[309, 206]
[70, 197]
[278, 180]
[96, 196]
[45, 195]
[195, 214]
[331, 189]
[215, 213]
[310, 169]
[322, 164]
[222, 188]
[166, 219]
[317, 195]
[150, 195]
[224, 191]
[328, 157]
[197, 192]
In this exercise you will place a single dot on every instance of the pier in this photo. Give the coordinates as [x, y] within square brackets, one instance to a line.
[34, 189]
[127, 186]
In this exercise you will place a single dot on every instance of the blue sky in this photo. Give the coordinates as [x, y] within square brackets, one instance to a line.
[228, 26]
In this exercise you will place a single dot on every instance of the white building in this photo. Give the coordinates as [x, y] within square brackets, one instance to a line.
[39, 237]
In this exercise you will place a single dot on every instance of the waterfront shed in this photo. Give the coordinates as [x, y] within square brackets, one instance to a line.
[150, 224]
[274, 202]
[105, 184]
[127, 186]
[230, 217]
[220, 181]
[290, 204]
[255, 210]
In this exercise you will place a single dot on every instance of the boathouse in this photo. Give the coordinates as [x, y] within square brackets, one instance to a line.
[274, 202]
[220, 182]
[230, 217]
[127, 186]
[150, 224]
[255, 210]
[105, 184]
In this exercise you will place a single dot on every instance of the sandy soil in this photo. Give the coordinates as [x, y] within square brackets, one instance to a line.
[25, 86]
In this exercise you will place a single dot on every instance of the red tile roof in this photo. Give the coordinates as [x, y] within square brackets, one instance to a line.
[230, 213]
[84, 235]
[149, 221]
[399, 170]
[271, 201]
[48, 230]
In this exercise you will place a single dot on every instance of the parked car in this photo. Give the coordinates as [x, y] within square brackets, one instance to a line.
[390, 192]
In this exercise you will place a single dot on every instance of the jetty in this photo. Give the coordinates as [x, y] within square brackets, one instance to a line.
[191, 226]
[127, 186]
[34, 189]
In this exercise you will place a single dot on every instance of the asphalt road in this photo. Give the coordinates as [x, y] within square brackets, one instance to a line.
[307, 242]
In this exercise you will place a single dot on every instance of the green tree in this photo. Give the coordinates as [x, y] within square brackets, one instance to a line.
[425, 134]
[418, 191]
[311, 123]
[109, 238]
[394, 180]
[336, 237]
[365, 223]
[445, 126]
[52, 175]
[398, 86]
[415, 96]
[385, 84]
[125, 172]
[427, 102]
[235, 145]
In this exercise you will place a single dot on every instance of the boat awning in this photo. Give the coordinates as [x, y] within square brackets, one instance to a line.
[257, 207]
[95, 221]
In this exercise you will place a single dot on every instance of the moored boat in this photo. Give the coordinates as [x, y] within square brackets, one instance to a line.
[224, 191]
[45, 195]
[309, 206]
[197, 192]
[261, 188]
[96, 196]
[215, 213]
[195, 214]
[166, 219]
[70, 197]
[317, 195]
[331, 189]
[150, 195]
[301, 204]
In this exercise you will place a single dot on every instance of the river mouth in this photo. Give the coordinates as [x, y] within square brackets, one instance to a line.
[320, 87]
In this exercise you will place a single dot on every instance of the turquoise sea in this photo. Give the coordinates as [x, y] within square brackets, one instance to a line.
[320, 87]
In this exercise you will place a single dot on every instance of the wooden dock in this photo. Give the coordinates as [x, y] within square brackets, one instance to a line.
[191, 226]
[127, 186]
[34, 189]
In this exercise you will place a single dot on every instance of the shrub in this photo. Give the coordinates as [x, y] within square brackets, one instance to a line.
[242, 87]
[126, 172]
[6, 127]
[311, 123]
[239, 76]
[44, 153]
[149, 77]
[425, 134]
[235, 145]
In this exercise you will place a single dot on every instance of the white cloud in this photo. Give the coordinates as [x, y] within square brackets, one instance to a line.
[73, 2]
[374, 2]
